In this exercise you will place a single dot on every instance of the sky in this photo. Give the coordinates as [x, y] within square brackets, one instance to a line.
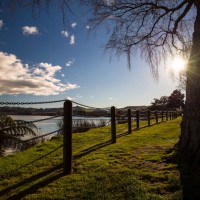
[42, 59]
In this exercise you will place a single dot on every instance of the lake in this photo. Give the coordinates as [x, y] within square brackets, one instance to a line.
[51, 125]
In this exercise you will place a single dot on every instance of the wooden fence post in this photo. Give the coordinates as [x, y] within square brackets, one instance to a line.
[113, 125]
[149, 117]
[156, 116]
[170, 115]
[167, 115]
[138, 119]
[67, 138]
[129, 120]
[174, 114]
[162, 116]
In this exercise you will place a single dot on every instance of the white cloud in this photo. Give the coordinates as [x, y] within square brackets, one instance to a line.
[72, 39]
[62, 75]
[112, 99]
[74, 24]
[65, 34]
[1, 24]
[87, 27]
[69, 63]
[30, 30]
[71, 86]
[19, 78]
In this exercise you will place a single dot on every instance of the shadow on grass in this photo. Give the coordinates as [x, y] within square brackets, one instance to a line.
[46, 177]
[123, 134]
[15, 171]
[101, 145]
[91, 149]
[50, 177]
[97, 146]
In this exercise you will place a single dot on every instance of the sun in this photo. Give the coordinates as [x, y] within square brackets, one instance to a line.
[178, 64]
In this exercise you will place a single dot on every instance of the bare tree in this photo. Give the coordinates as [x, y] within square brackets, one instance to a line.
[36, 5]
[182, 79]
[155, 28]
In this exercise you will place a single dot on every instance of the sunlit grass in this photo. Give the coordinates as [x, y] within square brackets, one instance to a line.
[133, 168]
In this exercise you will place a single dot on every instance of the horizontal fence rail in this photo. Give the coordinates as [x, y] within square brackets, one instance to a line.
[31, 103]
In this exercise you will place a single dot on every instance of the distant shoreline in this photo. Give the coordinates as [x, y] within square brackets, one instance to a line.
[77, 111]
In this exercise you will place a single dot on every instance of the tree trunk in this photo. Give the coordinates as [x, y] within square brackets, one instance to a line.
[188, 150]
[189, 143]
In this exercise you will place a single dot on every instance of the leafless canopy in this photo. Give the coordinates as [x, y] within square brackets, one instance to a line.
[36, 5]
[156, 28]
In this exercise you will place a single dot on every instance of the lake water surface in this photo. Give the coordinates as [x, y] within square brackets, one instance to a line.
[51, 125]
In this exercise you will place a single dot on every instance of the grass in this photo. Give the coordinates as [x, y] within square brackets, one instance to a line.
[133, 168]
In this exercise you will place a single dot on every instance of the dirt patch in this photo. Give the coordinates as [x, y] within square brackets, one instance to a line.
[148, 158]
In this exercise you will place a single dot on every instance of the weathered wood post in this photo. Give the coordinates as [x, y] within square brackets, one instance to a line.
[170, 115]
[149, 117]
[174, 115]
[67, 138]
[113, 125]
[162, 116]
[138, 119]
[166, 115]
[156, 116]
[129, 120]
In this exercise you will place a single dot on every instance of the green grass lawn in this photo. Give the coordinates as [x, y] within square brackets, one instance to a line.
[133, 168]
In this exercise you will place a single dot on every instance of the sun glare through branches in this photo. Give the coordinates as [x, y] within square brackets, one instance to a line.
[178, 64]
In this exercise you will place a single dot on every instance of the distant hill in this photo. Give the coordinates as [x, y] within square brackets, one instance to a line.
[29, 111]
[136, 107]
[77, 110]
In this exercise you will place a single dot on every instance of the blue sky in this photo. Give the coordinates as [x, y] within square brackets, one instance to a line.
[43, 60]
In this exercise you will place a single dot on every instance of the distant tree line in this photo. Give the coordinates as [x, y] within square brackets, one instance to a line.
[173, 102]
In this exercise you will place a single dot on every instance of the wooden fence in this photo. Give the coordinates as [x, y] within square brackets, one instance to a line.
[138, 116]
